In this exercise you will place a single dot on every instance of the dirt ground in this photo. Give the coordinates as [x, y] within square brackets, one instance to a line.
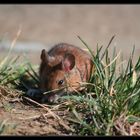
[24, 117]
[28, 120]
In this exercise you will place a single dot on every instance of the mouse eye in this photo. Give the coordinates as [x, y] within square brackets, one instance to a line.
[60, 82]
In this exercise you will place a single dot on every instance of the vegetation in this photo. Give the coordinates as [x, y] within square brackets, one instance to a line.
[109, 106]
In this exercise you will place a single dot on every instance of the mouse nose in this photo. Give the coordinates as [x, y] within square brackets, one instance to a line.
[50, 98]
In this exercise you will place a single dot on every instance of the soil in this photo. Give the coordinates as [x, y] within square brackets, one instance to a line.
[23, 116]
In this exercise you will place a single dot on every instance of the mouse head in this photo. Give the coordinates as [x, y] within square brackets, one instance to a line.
[58, 73]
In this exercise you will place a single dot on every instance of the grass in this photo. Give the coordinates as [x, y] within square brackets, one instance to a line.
[117, 98]
[111, 103]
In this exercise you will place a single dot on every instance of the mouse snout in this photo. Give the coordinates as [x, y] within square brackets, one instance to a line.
[51, 98]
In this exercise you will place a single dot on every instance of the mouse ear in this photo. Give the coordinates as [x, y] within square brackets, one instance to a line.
[68, 62]
[49, 60]
[43, 55]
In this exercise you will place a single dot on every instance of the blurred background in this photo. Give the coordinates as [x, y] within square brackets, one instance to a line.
[43, 26]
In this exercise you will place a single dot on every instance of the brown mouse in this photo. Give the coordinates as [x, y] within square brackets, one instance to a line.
[64, 67]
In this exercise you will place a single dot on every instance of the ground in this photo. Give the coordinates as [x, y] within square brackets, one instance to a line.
[22, 116]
